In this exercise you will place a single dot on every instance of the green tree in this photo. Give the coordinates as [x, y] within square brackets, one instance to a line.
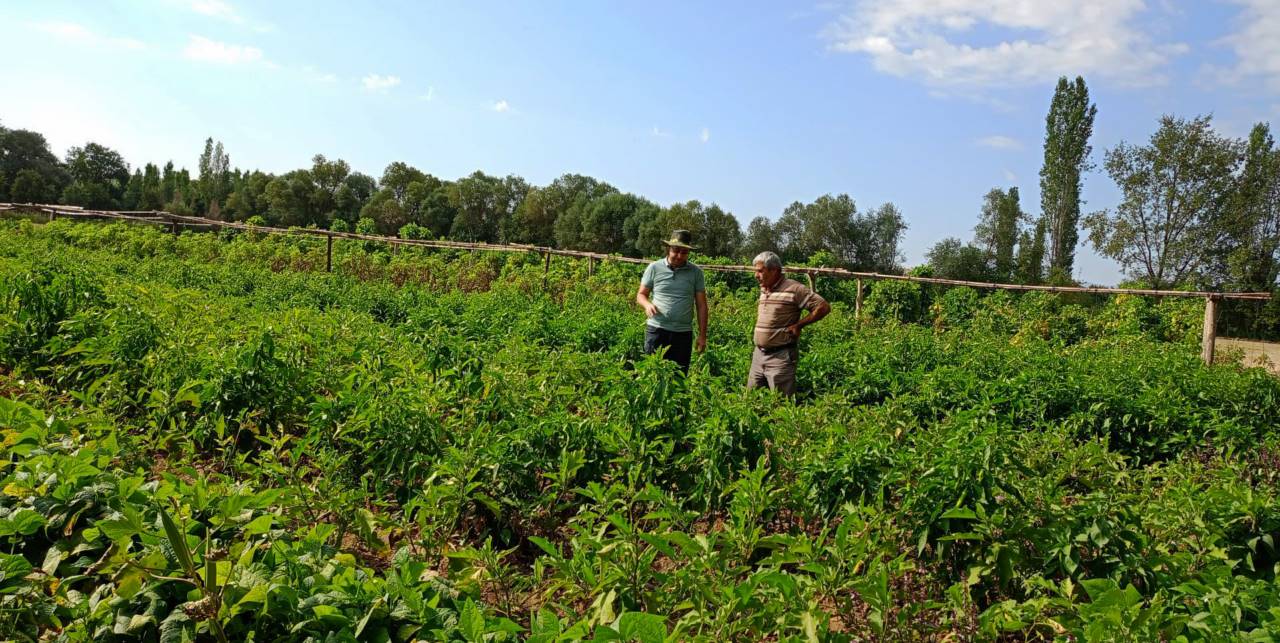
[1031, 251]
[213, 180]
[396, 202]
[998, 230]
[485, 204]
[328, 177]
[951, 258]
[132, 192]
[177, 190]
[27, 150]
[290, 200]
[605, 221]
[1251, 255]
[760, 237]
[1068, 128]
[721, 231]
[833, 224]
[29, 187]
[249, 196]
[715, 232]
[99, 176]
[539, 214]
[1175, 191]
[880, 233]
[152, 197]
[356, 190]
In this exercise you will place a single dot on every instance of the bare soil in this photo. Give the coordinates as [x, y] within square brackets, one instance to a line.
[1256, 353]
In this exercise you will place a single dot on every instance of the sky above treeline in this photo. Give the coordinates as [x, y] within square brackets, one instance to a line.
[751, 105]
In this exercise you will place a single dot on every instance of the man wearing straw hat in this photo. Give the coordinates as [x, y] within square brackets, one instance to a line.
[670, 289]
[778, 324]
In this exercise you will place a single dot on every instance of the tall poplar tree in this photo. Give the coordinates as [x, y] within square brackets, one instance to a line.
[1066, 156]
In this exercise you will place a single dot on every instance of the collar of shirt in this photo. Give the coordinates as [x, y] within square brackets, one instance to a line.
[667, 263]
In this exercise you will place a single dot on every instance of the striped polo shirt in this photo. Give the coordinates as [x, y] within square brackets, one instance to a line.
[780, 308]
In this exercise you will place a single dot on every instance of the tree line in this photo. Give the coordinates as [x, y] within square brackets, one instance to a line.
[574, 211]
[1198, 209]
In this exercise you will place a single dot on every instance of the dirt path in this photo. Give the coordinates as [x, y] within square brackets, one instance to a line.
[1255, 353]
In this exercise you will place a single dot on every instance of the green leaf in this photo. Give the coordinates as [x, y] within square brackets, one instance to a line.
[177, 627]
[364, 622]
[960, 513]
[471, 622]
[22, 522]
[545, 622]
[810, 627]
[639, 626]
[178, 540]
[13, 568]
[259, 525]
[118, 528]
[546, 546]
[257, 595]
[964, 535]
[134, 623]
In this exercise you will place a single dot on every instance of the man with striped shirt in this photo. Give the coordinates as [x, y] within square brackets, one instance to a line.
[778, 324]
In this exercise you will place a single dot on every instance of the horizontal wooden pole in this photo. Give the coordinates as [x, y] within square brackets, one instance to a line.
[157, 216]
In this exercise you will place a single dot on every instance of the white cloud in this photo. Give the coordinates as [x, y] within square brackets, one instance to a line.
[705, 135]
[946, 43]
[217, 9]
[1256, 44]
[379, 83]
[206, 50]
[501, 106]
[1010, 176]
[225, 11]
[429, 96]
[660, 133]
[1000, 142]
[71, 32]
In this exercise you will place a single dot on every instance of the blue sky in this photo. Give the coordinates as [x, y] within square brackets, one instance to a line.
[925, 103]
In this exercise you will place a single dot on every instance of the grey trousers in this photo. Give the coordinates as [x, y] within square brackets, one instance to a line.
[774, 368]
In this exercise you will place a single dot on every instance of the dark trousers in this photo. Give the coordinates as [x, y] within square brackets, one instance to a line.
[679, 344]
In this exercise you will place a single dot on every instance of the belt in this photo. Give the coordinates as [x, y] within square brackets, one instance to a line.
[774, 349]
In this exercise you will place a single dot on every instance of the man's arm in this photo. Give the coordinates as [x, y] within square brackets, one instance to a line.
[700, 301]
[642, 298]
[814, 315]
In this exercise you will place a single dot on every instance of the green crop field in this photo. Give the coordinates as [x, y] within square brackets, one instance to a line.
[210, 438]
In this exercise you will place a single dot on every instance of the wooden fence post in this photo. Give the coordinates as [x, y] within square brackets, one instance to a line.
[857, 302]
[1210, 329]
[53, 214]
[546, 268]
[328, 253]
[591, 266]
[173, 227]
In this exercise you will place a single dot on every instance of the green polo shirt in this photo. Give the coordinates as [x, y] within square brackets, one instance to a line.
[672, 292]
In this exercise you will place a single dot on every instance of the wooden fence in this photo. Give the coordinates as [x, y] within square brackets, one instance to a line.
[176, 222]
